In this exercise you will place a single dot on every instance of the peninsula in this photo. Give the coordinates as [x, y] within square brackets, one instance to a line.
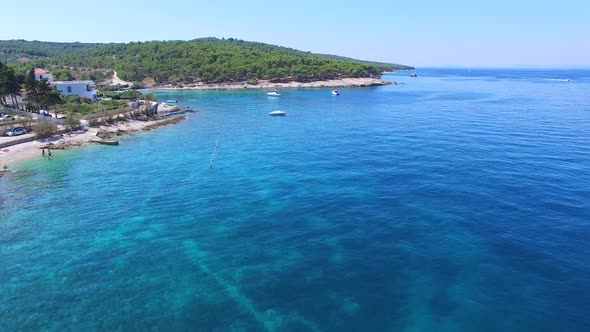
[198, 62]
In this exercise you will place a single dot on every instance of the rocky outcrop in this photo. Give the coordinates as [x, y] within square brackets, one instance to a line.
[62, 145]
[122, 132]
[164, 123]
[105, 134]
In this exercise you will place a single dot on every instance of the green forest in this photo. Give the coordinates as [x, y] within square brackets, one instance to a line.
[208, 60]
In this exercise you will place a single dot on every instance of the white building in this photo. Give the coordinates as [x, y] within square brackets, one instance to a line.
[42, 73]
[76, 88]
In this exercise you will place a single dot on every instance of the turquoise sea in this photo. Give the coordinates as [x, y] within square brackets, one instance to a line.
[455, 201]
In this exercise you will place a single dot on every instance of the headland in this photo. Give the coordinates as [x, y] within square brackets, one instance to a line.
[265, 84]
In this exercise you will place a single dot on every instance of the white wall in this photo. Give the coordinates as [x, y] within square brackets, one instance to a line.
[47, 75]
[75, 89]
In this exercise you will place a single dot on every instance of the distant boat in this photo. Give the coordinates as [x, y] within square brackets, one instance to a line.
[172, 101]
[335, 93]
[274, 93]
[414, 75]
[277, 113]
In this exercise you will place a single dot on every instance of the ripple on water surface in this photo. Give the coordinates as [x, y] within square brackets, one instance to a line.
[455, 201]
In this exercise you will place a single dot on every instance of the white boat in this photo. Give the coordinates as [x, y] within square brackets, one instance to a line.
[277, 113]
[171, 101]
[274, 93]
[335, 93]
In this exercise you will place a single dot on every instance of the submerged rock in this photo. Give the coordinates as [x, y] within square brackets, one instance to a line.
[105, 142]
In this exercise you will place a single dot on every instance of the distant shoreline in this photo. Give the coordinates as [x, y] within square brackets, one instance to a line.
[336, 83]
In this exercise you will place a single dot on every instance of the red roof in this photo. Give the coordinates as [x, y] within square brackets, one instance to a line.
[39, 71]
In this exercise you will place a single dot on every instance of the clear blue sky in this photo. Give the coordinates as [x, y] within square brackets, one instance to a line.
[418, 32]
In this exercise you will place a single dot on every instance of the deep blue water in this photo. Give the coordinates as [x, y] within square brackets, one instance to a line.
[455, 201]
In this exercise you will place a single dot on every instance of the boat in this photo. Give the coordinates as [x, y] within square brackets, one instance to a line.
[274, 93]
[277, 113]
[335, 93]
[414, 75]
[171, 101]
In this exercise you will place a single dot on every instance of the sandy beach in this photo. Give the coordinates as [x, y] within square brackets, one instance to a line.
[12, 155]
[336, 83]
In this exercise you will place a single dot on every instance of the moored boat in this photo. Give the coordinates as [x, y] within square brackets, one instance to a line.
[335, 93]
[274, 93]
[277, 113]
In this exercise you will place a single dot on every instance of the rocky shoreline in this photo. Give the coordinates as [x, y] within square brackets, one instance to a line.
[102, 135]
[336, 83]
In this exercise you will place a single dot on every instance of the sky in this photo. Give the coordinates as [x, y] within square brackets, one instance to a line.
[500, 33]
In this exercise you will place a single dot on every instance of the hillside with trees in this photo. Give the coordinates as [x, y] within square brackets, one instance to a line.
[208, 60]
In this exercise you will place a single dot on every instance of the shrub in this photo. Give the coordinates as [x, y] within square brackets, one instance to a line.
[131, 94]
[87, 108]
[137, 86]
[72, 121]
[44, 129]
[150, 97]
[24, 122]
[252, 81]
[73, 99]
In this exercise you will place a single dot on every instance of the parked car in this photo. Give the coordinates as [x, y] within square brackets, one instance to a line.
[44, 113]
[7, 118]
[16, 131]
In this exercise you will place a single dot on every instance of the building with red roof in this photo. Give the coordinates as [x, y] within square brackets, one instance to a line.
[42, 73]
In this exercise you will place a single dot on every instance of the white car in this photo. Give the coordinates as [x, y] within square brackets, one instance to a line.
[17, 131]
[7, 117]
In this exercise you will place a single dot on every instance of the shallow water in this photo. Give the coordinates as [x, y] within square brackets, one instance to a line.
[456, 201]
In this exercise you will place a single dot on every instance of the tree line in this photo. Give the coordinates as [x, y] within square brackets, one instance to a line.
[39, 93]
[10, 84]
[208, 60]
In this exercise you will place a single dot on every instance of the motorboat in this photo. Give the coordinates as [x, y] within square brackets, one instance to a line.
[277, 113]
[172, 101]
[274, 93]
[335, 93]
[414, 75]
